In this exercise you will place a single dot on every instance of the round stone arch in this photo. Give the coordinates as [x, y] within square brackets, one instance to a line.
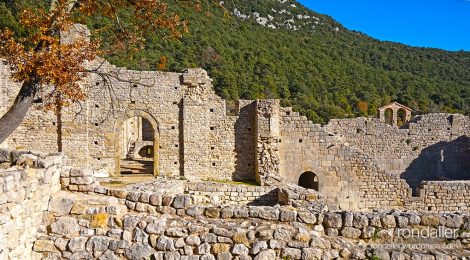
[309, 180]
[118, 127]
[308, 173]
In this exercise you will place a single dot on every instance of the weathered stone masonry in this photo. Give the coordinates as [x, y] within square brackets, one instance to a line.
[359, 163]
[24, 197]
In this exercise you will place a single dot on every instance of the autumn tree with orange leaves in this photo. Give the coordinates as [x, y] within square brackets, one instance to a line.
[41, 60]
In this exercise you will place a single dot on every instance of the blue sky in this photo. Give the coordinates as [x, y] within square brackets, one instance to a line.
[443, 24]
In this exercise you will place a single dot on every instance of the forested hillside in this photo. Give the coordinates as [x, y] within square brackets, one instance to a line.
[279, 49]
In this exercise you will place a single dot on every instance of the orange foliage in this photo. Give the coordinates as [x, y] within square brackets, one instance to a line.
[162, 63]
[362, 106]
[42, 59]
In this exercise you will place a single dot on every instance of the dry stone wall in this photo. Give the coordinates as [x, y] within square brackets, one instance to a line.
[90, 226]
[25, 191]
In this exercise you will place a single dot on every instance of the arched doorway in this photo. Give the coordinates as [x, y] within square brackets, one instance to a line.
[309, 180]
[389, 116]
[137, 144]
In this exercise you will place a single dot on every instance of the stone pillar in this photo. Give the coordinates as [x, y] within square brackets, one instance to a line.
[382, 115]
[196, 126]
[268, 134]
[407, 115]
[395, 117]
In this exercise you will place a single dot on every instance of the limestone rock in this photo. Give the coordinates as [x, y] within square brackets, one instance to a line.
[333, 220]
[266, 255]
[44, 246]
[240, 249]
[65, 226]
[139, 251]
[182, 201]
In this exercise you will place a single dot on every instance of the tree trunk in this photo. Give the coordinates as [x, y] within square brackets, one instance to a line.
[13, 118]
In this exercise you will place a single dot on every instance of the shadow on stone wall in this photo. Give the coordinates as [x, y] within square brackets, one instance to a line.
[440, 161]
[245, 143]
[268, 199]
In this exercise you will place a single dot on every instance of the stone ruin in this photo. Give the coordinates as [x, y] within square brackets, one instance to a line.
[312, 180]
[174, 125]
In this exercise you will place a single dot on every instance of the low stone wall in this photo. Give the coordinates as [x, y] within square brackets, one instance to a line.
[442, 196]
[25, 190]
[222, 194]
[242, 232]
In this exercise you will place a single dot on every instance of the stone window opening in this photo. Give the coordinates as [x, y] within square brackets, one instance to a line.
[389, 116]
[309, 180]
[401, 117]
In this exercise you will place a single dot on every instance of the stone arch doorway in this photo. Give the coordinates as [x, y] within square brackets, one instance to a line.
[309, 180]
[137, 143]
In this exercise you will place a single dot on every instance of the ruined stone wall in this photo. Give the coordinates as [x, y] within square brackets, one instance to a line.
[221, 194]
[24, 197]
[348, 178]
[90, 226]
[430, 147]
[442, 196]
[194, 136]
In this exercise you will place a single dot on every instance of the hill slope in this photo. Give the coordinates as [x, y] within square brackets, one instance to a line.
[280, 49]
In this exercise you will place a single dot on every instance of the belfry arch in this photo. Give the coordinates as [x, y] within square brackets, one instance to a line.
[395, 114]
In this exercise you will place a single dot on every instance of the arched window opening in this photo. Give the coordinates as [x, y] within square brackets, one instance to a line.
[309, 180]
[389, 116]
[401, 117]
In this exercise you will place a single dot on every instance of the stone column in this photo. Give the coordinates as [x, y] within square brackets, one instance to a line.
[407, 115]
[395, 117]
[268, 134]
[382, 115]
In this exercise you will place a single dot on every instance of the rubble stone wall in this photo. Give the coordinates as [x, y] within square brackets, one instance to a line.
[430, 147]
[442, 196]
[24, 197]
[195, 136]
[104, 229]
[221, 194]
[349, 179]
